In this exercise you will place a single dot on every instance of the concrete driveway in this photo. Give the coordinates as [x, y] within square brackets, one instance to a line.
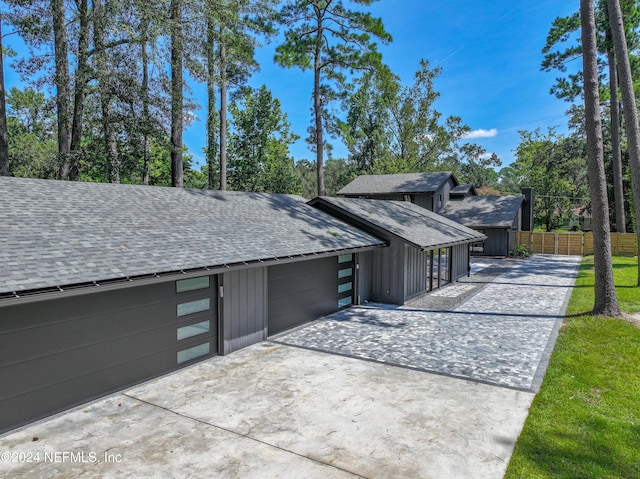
[275, 410]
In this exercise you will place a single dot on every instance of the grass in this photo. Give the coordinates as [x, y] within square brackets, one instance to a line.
[585, 421]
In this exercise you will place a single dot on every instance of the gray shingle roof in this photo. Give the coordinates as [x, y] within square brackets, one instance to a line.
[407, 221]
[400, 183]
[55, 233]
[484, 211]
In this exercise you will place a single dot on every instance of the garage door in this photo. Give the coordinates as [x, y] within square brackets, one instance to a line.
[59, 353]
[303, 291]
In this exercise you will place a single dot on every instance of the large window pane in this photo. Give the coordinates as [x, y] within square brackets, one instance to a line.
[192, 284]
[193, 330]
[193, 307]
[192, 353]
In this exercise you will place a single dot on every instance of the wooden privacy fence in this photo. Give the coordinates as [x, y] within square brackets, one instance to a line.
[622, 244]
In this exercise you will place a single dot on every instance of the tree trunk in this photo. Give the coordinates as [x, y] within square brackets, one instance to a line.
[4, 135]
[606, 302]
[104, 77]
[63, 96]
[223, 111]
[616, 154]
[146, 119]
[625, 80]
[177, 47]
[211, 104]
[317, 109]
[82, 74]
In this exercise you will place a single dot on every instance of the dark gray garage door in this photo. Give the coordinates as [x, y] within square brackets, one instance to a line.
[58, 353]
[304, 291]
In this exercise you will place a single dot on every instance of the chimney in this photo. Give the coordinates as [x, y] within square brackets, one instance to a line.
[527, 208]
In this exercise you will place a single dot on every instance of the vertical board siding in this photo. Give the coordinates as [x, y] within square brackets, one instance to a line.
[416, 275]
[244, 308]
[497, 242]
[388, 273]
[365, 276]
[460, 261]
[424, 199]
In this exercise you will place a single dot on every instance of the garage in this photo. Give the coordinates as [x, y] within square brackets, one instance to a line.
[303, 291]
[62, 352]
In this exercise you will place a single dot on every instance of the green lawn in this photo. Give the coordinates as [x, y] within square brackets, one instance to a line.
[585, 421]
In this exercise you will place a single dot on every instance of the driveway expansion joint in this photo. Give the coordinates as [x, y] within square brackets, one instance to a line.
[235, 433]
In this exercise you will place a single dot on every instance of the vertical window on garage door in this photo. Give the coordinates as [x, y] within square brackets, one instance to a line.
[196, 318]
[346, 268]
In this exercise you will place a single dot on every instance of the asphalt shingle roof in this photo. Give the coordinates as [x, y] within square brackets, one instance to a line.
[400, 183]
[409, 222]
[484, 211]
[56, 233]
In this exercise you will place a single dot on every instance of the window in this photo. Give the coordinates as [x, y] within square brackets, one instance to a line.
[345, 273]
[345, 258]
[344, 302]
[192, 353]
[192, 284]
[194, 307]
[193, 330]
[345, 280]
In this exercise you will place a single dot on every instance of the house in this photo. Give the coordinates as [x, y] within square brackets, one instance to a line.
[429, 190]
[105, 285]
[425, 250]
[500, 218]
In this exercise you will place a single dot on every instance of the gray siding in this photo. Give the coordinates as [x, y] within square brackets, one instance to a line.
[244, 308]
[444, 190]
[425, 200]
[365, 276]
[301, 292]
[416, 274]
[497, 242]
[58, 353]
[388, 274]
[460, 261]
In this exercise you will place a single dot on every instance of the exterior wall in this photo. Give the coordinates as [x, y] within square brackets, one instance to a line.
[364, 263]
[416, 275]
[244, 308]
[497, 242]
[61, 352]
[459, 261]
[301, 292]
[444, 190]
[387, 274]
[425, 200]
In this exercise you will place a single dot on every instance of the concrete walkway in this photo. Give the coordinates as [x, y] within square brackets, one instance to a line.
[500, 335]
[278, 411]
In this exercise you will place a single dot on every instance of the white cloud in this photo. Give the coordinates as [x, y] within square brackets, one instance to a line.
[482, 133]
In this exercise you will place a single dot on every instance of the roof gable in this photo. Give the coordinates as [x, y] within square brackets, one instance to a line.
[406, 221]
[399, 183]
[59, 233]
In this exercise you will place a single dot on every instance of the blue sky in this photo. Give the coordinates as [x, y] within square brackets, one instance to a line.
[489, 51]
[490, 54]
